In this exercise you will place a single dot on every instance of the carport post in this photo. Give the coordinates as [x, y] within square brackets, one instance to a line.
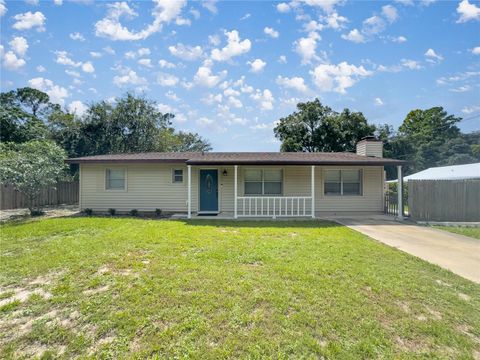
[400, 192]
[189, 170]
[313, 191]
[235, 190]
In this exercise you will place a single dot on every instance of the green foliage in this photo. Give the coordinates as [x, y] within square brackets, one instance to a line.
[158, 212]
[317, 128]
[112, 211]
[88, 211]
[134, 212]
[30, 166]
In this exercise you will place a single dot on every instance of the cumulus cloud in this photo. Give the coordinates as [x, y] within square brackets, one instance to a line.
[63, 58]
[306, 47]
[29, 20]
[326, 5]
[354, 36]
[186, 52]
[164, 64]
[145, 62]
[88, 67]
[73, 73]
[264, 98]
[11, 61]
[56, 93]
[398, 39]
[467, 12]
[234, 47]
[335, 21]
[283, 7]
[432, 56]
[257, 65]
[471, 109]
[210, 5]
[205, 77]
[3, 8]
[378, 101]
[338, 78]
[373, 25]
[282, 59]
[77, 107]
[164, 79]
[77, 36]
[297, 83]
[210, 124]
[41, 68]
[271, 32]
[19, 45]
[164, 11]
[476, 50]
[390, 13]
[128, 77]
[411, 64]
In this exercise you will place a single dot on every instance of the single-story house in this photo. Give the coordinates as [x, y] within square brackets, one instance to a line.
[453, 172]
[237, 184]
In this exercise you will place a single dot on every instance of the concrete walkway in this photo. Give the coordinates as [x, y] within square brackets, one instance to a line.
[457, 253]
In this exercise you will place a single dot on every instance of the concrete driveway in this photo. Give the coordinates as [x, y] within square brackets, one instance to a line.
[457, 253]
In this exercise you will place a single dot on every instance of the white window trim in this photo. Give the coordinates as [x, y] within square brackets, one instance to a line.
[263, 182]
[362, 182]
[125, 187]
[173, 176]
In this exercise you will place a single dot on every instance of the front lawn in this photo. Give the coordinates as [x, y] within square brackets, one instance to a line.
[473, 232]
[113, 287]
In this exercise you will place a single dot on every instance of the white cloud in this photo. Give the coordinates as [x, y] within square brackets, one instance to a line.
[306, 47]
[63, 58]
[41, 68]
[233, 48]
[282, 59]
[476, 50]
[261, 126]
[326, 5]
[32, 2]
[109, 50]
[335, 21]
[411, 64]
[354, 36]
[297, 83]
[72, 73]
[233, 101]
[467, 12]
[214, 40]
[265, 98]
[172, 96]
[461, 89]
[143, 51]
[29, 20]
[432, 56]
[210, 124]
[186, 52]
[471, 109]
[195, 13]
[211, 99]
[3, 8]
[246, 16]
[390, 13]
[164, 11]
[145, 62]
[11, 61]
[58, 2]
[257, 65]
[77, 107]
[88, 67]
[77, 36]
[164, 79]
[399, 39]
[405, 2]
[95, 54]
[378, 101]
[373, 25]
[56, 93]
[128, 77]
[20, 45]
[164, 64]
[210, 5]
[283, 7]
[338, 78]
[271, 32]
[205, 77]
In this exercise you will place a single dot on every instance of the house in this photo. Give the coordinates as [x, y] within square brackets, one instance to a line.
[240, 184]
[454, 172]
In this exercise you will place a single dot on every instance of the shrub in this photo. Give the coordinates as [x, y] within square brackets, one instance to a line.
[36, 212]
[112, 211]
[88, 211]
[134, 212]
[158, 212]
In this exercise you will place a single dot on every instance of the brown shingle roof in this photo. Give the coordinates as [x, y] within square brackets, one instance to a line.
[240, 158]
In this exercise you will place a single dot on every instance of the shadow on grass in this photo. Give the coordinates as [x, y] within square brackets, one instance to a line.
[283, 223]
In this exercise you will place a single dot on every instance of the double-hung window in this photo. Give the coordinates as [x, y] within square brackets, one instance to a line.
[263, 182]
[177, 176]
[343, 182]
[115, 179]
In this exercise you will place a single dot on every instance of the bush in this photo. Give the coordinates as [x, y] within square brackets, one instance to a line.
[37, 212]
[158, 212]
[112, 211]
[134, 212]
[88, 211]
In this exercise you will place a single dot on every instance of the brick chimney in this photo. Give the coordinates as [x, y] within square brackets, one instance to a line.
[370, 146]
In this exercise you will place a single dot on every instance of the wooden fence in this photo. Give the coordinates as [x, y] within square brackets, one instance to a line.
[444, 200]
[62, 193]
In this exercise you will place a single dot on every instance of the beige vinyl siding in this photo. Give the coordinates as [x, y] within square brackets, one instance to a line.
[149, 186]
[370, 148]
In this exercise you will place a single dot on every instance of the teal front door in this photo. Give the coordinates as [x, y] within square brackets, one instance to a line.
[208, 191]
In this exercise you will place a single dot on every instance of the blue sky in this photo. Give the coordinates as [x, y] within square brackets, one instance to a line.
[229, 70]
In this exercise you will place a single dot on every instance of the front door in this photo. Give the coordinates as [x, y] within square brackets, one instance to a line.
[209, 191]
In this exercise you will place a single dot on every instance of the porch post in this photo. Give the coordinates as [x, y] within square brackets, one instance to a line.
[235, 191]
[189, 190]
[313, 191]
[400, 192]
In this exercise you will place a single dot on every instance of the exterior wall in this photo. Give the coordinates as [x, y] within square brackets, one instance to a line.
[149, 186]
[370, 148]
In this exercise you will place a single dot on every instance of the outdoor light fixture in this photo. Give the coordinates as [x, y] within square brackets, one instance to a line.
[224, 172]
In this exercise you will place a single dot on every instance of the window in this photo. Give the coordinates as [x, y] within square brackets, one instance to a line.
[177, 176]
[115, 179]
[263, 182]
[343, 182]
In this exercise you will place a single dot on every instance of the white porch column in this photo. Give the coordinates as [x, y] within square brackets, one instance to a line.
[400, 192]
[189, 190]
[235, 191]
[313, 191]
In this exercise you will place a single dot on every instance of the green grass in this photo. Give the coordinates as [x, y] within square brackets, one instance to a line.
[473, 232]
[124, 287]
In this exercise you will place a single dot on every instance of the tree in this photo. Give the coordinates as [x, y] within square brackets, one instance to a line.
[30, 166]
[172, 141]
[315, 127]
